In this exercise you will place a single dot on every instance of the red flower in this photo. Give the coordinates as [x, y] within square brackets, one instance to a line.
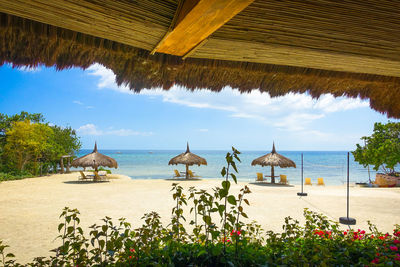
[377, 254]
[376, 260]
[394, 248]
[345, 233]
[396, 241]
[397, 257]
[130, 257]
[381, 237]
[372, 236]
[362, 232]
[396, 233]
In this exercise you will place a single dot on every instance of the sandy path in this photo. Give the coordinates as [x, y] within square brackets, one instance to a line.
[29, 209]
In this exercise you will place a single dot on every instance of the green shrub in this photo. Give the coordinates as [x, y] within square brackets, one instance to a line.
[14, 176]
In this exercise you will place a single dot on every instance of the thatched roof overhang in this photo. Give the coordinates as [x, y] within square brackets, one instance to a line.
[94, 160]
[343, 48]
[274, 159]
[188, 158]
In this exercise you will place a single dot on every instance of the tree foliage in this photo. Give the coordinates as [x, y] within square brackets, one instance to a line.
[25, 144]
[381, 149]
[28, 143]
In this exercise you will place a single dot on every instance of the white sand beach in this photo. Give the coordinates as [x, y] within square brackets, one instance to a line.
[30, 208]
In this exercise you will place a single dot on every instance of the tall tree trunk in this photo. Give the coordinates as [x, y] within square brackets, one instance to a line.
[62, 165]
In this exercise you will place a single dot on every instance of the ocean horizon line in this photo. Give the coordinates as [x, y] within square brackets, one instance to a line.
[208, 150]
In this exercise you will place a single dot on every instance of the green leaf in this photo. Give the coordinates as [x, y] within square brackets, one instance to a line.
[226, 185]
[234, 166]
[222, 193]
[234, 177]
[201, 252]
[60, 226]
[232, 200]
[223, 172]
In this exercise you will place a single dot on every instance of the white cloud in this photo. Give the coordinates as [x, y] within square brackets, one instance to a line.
[292, 112]
[82, 104]
[202, 130]
[91, 129]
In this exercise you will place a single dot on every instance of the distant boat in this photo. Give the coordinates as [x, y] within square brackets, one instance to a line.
[118, 152]
[151, 152]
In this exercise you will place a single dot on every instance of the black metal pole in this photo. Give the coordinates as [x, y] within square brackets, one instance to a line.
[302, 193]
[347, 220]
[348, 181]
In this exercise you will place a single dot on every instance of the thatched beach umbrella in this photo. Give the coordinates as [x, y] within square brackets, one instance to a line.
[273, 159]
[188, 159]
[94, 160]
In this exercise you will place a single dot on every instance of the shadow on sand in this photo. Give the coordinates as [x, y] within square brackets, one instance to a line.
[85, 182]
[182, 179]
[272, 185]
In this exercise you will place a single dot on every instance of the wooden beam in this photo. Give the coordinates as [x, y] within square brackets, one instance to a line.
[197, 20]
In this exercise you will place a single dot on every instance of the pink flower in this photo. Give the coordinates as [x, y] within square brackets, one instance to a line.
[393, 248]
[396, 241]
[397, 258]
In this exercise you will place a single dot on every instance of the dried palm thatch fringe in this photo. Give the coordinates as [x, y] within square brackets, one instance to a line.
[273, 159]
[27, 43]
[188, 159]
[94, 160]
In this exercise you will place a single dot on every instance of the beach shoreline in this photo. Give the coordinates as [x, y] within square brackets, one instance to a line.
[30, 208]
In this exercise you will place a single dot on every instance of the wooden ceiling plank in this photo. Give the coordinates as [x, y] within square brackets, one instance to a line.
[296, 56]
[198, 23]
[120, 21]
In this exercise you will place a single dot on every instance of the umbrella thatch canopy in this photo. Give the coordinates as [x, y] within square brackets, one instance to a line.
[188, 159]
[273, 159]
[94, 160]
[346, 48]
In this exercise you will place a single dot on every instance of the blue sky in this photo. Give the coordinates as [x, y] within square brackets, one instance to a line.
[116, 118]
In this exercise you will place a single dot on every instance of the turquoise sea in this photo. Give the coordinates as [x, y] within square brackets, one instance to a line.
[331, 165]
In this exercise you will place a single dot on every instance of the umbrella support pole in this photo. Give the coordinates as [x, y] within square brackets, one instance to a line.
[272, 175]
[302, 193]
[187, 171]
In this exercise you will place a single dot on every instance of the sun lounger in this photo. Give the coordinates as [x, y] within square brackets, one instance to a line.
[283, 179]
[260, 177]
[321, 181]
[98, 178]
[191, 174]
[102, 173]
[84, 177]
[307, 181]
[177, 174]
